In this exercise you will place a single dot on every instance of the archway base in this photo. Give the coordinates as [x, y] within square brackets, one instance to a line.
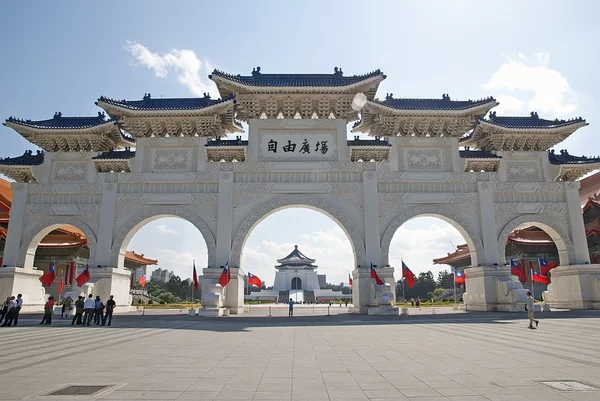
[371, 299]
[493, 289]
[219, 301]
[574, 287]
[109, 281]
[20, 280]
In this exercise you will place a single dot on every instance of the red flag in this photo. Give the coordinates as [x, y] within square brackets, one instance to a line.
[252, 279]
[349, 279]
[545, 267]
[83, 277]
[195, 277]
[142, 280]
[538, 278]
[60, 286]
[225, 277]
[516, 270]
[48, 278]
[408, 275]
[459, 277]
[375, 276]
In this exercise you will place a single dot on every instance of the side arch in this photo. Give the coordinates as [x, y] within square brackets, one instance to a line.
[36, 232]
[470, 233]
[556, 231]
[140, 219]
[308, 201]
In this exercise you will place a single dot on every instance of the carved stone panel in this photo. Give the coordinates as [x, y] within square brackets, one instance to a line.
[70, 172]
[424, 159]
[298, 146]
[171, 159]
[523, 171]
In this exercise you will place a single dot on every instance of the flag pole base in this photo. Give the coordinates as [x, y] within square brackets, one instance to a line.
[212, 312]
[574, 287]
[384, 310]
[26, 281]
[493, 289]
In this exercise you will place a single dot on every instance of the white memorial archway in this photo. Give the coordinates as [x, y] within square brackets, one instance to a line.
[483, 173]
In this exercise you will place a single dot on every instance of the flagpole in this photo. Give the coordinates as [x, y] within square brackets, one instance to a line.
[192, 299]
[402, 269]
[532, 293]
[454, 282]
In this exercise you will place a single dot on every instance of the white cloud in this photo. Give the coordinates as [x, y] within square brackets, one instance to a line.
[163, 229]
[191, 71]
[180, 262]
[529, 88]
[522, 56]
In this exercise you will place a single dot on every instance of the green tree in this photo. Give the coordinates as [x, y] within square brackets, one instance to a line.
[445, 279]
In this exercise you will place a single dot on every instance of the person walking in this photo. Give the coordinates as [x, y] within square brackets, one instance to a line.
[78, 311]
[66, 308]
[19, 302]
[291, 312]
[98, 308]
[48, 309]
[530, 307]
[5, 306]
[10, 312]
[110, 307]
[88, 309]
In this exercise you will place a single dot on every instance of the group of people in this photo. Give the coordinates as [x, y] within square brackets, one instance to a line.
[86, 311]
[10, 310]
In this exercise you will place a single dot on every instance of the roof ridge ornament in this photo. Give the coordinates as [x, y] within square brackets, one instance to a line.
[338, 71]
[57, 115]
[389, 96]
[147, 96]
[492, 115]
[534, 115]
[256, 71]
[446, 97]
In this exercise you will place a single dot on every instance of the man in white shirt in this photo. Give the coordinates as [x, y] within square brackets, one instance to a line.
[530, 303]
[88, 310]
[19, 302]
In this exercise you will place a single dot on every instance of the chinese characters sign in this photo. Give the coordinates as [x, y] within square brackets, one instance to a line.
[298, 147]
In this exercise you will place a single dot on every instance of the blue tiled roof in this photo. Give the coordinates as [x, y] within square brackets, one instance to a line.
[477, 154]
[533, 121]
[295, 258]
[565, 158]
[147, 103]
[296, 80]
[368, 142]
[227, 142]
[443, 104]
[60, 122]
[28, 159]
[115, 154]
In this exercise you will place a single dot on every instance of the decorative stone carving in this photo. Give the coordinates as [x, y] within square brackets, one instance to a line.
[424, 159]
[124, 234]
[39, 228]
[267, 208]
[523, 171]
[171, 159]
[70, 172]
[557, 231]
[471, 234]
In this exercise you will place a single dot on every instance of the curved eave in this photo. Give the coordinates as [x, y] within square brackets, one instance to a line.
[483, 128]
[574, 171]
[117, 111]
[18, 173]
[109, 129]
[225, 147]
[375, 107]
[227, 87]
[383, 147]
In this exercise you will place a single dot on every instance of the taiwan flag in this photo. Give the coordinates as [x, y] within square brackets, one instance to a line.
[375, 276]
[408, 275]
[195, 278]
[349, 279]
[545, 267]
[142, 280]
[252, 279]
[48, 278]
[83, 277]
[538, 278]
[459, 277]
[225, 277]
[60, 286]
[515, 270]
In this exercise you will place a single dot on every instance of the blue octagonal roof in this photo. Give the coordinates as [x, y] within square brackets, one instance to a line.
[443, 104]
[147, 103]
[565, 158]
[533, 121]
[27, 159]
[60, 122]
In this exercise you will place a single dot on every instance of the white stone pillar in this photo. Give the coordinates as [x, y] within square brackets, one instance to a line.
[106, 225]
[342, 141]
[488, 228]
[15, 224]
[576, 225]
[371, 216]
[252, 148]
[224, 218]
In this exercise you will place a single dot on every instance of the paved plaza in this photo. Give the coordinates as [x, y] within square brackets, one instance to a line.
[168, 356]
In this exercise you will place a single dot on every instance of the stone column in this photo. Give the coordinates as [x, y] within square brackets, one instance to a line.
[488, 227]
[371, 216]
[106, 225]
[225, 218]
[576, 226]
[15, 224]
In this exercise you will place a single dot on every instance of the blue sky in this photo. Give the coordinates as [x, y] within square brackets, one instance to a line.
[534, 55]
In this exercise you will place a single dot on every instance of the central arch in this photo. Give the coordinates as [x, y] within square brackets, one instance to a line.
[307, 201]
[296, 283]
[140, 219]
[470, 234]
